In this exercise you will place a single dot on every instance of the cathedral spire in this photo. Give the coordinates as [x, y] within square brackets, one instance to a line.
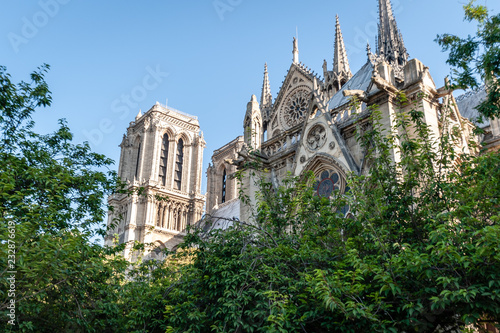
[295, 51]
[390, 45]
[340, 61]
[266, 99]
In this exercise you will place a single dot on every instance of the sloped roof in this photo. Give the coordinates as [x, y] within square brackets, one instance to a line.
[360, 81]
[222, 218]
[468, 102]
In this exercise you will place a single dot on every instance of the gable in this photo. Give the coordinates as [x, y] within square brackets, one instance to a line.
[292, 103]
[322, 142]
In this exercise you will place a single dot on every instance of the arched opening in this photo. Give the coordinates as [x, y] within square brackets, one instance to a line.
[178, 164]
[158, 250]
[137, 160]
[224, 183]
[330, 179]
[163, 160]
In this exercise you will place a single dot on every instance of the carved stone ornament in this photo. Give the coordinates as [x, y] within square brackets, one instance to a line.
[316, 137]
[302, 159]
[332, 145]
[147, 123]
[295, 108]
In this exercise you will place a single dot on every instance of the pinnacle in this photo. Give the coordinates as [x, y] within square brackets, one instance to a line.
[390, 43]
[295, 51]
[340, 61]
[139, 115]
[266, 98]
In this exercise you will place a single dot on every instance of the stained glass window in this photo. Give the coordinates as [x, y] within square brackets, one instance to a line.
[327, 183]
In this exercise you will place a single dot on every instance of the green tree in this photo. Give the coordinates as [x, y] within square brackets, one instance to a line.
[475, 60]
[52, 195]
[423, 255]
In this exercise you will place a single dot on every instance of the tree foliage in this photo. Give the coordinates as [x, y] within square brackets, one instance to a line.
[475, 60]
[418, 254]
[51, 205]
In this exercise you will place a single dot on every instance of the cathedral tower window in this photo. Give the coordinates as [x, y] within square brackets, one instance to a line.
[163, 160]
[137, 161]
[224, 183]
[178, 164]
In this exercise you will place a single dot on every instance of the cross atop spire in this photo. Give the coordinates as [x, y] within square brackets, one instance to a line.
[340, 61]
[390, 45]
[266, 99]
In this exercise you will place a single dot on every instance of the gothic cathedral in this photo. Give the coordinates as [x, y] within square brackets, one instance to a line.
[309, 126]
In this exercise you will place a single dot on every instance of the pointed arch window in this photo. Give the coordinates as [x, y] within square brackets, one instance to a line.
[330, 183]
[163, 160]
[224, 183]
[137, 160]
[178, 164]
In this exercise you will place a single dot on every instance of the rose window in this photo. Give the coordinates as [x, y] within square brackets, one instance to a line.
[296, 108]
[327, 183]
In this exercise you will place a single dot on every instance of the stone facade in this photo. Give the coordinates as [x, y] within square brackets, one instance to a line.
[311, 123]
[221, 184]
[162, 153]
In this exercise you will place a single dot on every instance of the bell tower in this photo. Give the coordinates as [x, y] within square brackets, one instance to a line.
[161, 154]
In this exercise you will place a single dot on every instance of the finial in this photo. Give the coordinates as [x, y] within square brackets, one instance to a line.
[139, 115]
[295, 51]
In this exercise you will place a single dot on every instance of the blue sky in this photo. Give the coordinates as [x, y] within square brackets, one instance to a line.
[111, 58]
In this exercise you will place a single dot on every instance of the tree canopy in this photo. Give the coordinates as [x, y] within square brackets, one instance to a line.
[475, 59]
[52, 195]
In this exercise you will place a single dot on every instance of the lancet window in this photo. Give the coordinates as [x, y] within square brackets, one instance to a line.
[224, 183]
[178, 164]
[137, 161]
[163, 160]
